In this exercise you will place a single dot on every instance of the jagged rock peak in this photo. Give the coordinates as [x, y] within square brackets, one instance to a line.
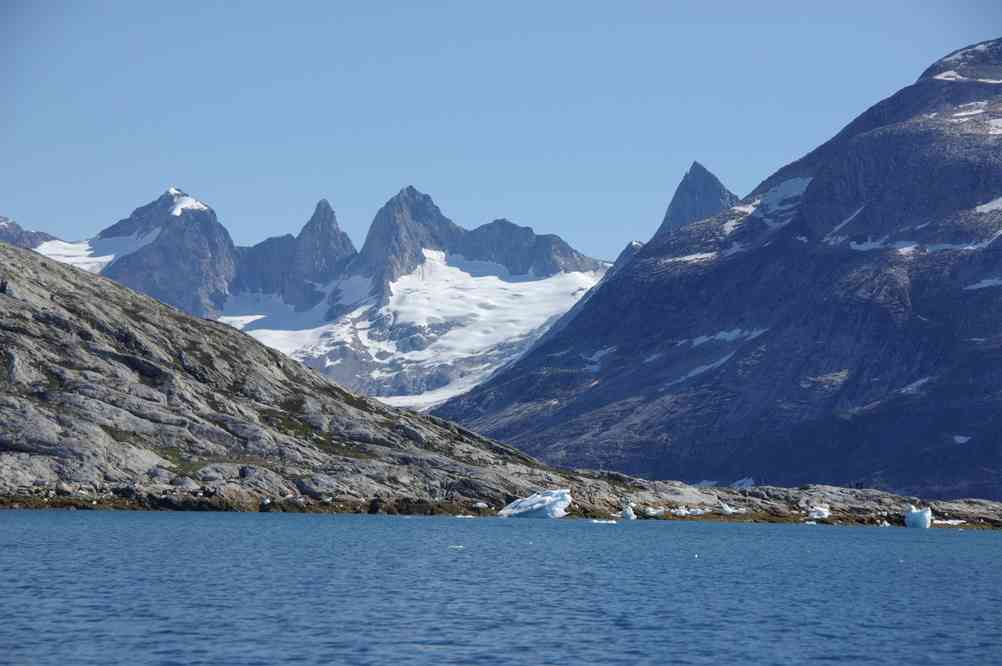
[322, 248]
[11, 232]
[981, 63]
[700, 195]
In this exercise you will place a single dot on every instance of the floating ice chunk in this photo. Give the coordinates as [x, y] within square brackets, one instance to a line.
[628, 513]
[961, 439]
[921, 518]
[810, 522]
[603, 522]
[949, 521]
[683, 511]
[651, 512]
[820, 512]
[547, 504]
[463, 515]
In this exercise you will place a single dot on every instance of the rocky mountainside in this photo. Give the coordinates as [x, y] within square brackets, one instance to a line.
[841, 324]
[427, 308]
[425, 311]
[109, 398]
[700, 195]
[292, 266]
[173, 249]
[11, 232]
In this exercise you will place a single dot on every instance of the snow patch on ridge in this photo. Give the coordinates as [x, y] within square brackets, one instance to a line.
[471, 317]
[97, 253]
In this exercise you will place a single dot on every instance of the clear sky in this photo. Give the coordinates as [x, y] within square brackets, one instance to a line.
[577, 118]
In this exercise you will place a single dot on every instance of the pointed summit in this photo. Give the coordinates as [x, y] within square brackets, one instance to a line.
[322, 248]
[700, 195]
[406, 224]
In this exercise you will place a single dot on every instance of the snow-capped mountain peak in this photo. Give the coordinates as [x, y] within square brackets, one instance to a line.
[181, 201]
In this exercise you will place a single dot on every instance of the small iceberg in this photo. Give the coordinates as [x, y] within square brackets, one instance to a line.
[628, 513]
[683, 511]
[921, 518]
[651, 512]
[547, 504]
[820, 512]
[598, 521]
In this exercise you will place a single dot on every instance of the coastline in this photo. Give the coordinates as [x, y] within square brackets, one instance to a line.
[764, 504]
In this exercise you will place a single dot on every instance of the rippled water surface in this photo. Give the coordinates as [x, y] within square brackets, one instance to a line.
[210, 588]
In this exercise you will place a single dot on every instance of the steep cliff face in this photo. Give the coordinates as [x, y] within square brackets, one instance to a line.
[296, 268]
[190, 262]
[840, 324]
[700, 195]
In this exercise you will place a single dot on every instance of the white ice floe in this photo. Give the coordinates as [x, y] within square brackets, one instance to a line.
[995, 126]
[819, 512]
[463, 515]
[921, 518]
[961, 439]
[95, 254]
[651, 512]
[684, 511]
[949, 521]
[628, 513]
[598, 521]
[547, 504]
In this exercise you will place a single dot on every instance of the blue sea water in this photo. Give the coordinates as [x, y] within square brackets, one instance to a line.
[212, 588]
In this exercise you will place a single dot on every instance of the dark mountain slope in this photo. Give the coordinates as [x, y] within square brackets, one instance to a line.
[841, 324]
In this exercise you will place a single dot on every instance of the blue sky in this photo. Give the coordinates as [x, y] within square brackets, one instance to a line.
[577, 118]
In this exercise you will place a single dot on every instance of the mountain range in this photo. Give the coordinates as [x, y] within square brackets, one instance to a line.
[425, 310]
[841, 324]
[111, 399]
